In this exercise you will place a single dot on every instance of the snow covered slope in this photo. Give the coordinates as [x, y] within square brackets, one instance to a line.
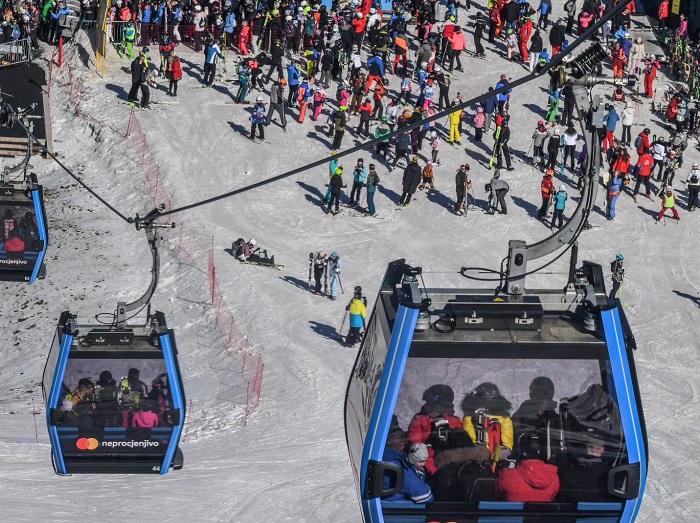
[290, 462]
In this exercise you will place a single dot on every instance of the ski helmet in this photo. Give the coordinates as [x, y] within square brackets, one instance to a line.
[384, 119]
[372, 167]
[669, 189]
[562, 188]
[549, 172]
[360, 160]
[424, 65]
[429, 163]
[487, 390]
[197, 8]
[358, 289]
[259, 99]
[696, 165]
[437, 68]
[252, 242]
[620, 257]
[334, 255]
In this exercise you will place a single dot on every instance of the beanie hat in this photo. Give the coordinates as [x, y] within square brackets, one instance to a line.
[417, 452]
[440, 395]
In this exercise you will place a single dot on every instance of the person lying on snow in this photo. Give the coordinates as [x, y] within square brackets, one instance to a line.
[248, 251]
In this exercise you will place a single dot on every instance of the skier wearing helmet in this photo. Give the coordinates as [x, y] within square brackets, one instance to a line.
[547, 190]
[618, 275]
[258, 119]
[669, 202]
[487, 420]
[559, 205]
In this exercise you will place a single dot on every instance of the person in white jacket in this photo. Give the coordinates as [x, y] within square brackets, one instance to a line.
[627, 121]
[637, 57]
[658, 151]
[570, 138]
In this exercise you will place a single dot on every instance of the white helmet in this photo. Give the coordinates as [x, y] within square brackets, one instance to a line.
[288, 18]
[696, 165]
[562, 188]
[304, 3]
[259, 99]
[119, 3]
[198, 8]
[372, 10]
[433, 134]
[424, 65]
[252, 242]
[437, 68]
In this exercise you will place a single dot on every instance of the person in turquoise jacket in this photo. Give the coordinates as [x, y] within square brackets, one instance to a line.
[559, 206]
[359, 176]
[332, 166]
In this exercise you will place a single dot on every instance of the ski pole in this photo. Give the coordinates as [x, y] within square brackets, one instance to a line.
[341, 284]
[340, 330]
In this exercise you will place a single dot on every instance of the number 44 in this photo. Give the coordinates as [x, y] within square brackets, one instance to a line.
[156, 468]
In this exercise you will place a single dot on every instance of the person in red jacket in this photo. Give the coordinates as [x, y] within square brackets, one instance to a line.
[644, 143]
[618, 61]
[532, 480]
[434, 421]
[649, 77]
[644, 166]
[359, 23]
[548, 190]
[525, 34]
[663, 14]
[175, 74]
[244, 38]
[459, 44]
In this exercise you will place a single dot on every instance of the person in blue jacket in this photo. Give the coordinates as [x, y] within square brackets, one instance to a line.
[490, 105]
[545, 8]
[334, 268]
[258, 119]
[229, 27]
[359, 176]
[503, 97]
[293, 82]
[610, 121]
[212, 58]
[614, 190]
[411, 462]
[559, 205]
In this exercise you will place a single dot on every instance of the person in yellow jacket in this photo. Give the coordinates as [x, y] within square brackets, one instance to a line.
[487, 420]
[669, 200]
[358, 313]
[455, 118]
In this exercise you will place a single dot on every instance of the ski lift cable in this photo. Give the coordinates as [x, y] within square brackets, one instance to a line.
[539, 71]
[71, 173]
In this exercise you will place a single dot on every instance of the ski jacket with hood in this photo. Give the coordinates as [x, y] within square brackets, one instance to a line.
[414, 488]
[628, 114]
[531, 481]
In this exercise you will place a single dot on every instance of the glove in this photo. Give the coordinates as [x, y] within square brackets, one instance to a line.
[337, 271]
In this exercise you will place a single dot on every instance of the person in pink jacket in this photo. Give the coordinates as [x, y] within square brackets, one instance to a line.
[344, 97]
[319, 98]
[144, 418]
[459, 44]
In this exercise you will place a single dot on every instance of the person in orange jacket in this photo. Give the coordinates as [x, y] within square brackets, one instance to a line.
[458, 43]
[618, 60]
[244, 38]
[547, 189]
[663, 14]
[525, 34]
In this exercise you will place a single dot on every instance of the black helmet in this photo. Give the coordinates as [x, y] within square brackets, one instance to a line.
[541, 388]
[487, 390]
[647, 131]
[531, 447]
[440, 395]
[358, 289]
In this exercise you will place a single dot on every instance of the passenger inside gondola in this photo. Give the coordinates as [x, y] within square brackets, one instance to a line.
[29, 231]
[487, 420]
[124, 403]
[434, 422]
[546, 451]
[412, 461]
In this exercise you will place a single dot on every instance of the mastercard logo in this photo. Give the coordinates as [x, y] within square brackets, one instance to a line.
[87, 443]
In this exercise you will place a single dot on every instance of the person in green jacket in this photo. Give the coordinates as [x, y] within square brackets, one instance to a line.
[382, 130]
[128, 38]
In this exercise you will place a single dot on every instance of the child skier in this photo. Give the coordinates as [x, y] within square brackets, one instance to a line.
[479, 121]
[553, 112]
[511, 43]
[258, 118]
[428, 177]
[669, 202]
[319, 98]
[435, 146]
[538, 138]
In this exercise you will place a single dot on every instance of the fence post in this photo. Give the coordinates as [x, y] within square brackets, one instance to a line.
[36, 430]
[128, 127]
[60, 51]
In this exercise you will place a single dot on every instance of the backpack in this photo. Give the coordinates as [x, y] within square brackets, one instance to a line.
[338, 91]
[400, 24]
[694, 178]
[638, 142]
[126, 395]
